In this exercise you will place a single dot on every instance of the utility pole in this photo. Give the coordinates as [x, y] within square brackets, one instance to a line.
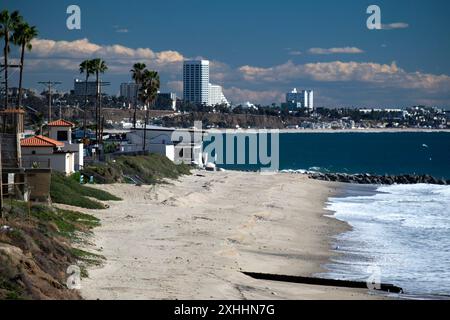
[49, 85]
[1, 183]
[100, 119]
[3, 67]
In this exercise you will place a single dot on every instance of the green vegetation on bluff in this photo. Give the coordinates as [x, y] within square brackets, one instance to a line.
[35, 250]
[67, 190]
[149, 169]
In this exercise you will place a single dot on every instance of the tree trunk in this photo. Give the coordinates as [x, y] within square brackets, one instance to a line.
[5, 52]
[19, 100]
[96, 108]
[145, 129]
[135, 110]
[49, 103]
[100, 116]
[1, 183]
[85, 105]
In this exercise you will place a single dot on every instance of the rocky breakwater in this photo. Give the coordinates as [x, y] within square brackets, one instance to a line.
[377, 179]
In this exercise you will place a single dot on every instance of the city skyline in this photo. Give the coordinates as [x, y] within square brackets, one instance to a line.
[264, 54]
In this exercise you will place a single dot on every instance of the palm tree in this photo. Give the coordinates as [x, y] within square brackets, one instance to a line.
[8, 23]
[23, 34]
[148, 94]
[137, 74]
[99, 66]
[39, 122]
[86, 67]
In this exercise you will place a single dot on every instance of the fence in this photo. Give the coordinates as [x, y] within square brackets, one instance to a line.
[9, 150]
[36, 164]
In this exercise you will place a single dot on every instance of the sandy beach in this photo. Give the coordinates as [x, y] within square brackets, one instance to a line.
[191, 238]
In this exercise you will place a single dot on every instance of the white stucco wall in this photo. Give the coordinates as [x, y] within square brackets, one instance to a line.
[77, 149]
[61, 162]
[160, 141]
[37, 150]
[53, 133]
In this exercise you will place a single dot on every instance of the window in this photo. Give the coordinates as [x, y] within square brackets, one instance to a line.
[62, 136]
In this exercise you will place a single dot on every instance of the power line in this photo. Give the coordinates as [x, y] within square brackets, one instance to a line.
[49, 85]
[99, 117]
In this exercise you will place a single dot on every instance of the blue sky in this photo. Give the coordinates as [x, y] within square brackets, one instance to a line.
[259, 49]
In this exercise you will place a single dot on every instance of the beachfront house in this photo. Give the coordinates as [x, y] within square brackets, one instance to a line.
[43, 152]
[61, 131]
[168, 142]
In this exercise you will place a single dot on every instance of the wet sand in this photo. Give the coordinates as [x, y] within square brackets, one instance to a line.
[191, 238]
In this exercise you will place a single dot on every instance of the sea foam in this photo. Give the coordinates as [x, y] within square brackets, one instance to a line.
[402, 229]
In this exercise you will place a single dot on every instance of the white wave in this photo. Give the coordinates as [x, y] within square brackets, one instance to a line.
[402, 228]
[299, 171]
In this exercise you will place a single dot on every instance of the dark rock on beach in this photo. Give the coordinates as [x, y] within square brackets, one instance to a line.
[376, 179]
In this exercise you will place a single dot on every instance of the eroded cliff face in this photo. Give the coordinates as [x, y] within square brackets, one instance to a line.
[223, 120]
[36, 250]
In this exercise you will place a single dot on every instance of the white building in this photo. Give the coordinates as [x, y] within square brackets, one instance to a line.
[61, 131]
[196, 81]
[216, 96]
[79, 88]
[163, 141]
[166, 101]
[43, 152]
[129, 91]
[248, 105]
[300, 99]
[196, 86]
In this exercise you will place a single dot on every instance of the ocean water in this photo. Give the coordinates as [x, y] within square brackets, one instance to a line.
[404, 230]
[400, 231]
[375, 153]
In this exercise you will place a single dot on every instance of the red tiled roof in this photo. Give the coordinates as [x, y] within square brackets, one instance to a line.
[40, 141]
[60, 123]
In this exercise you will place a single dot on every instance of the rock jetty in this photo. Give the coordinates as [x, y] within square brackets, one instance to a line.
[376, 179]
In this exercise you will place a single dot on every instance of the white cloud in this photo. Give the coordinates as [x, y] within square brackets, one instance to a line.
[72, 49]
[83, 48]
[67, 55]
[345, 50]
[238, 95]
[385, 75]
[248, 82]
[395, 25]
[176, 86]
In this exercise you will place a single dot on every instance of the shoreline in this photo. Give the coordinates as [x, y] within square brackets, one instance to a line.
[371, 130]
[193, 238]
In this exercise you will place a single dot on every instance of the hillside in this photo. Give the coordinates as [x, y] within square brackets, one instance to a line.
[36, 250]
[149, 169]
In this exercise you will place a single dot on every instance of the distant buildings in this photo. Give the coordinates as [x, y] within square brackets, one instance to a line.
[300, 99]
[164, 101]
[196, 86]
[216, 95]
[196, 81]
[129, 91]
[248, 105]
[79, 88]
